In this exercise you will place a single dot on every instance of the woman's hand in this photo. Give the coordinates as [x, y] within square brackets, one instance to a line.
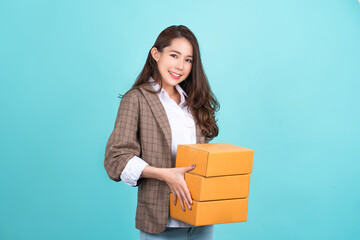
[174, 177]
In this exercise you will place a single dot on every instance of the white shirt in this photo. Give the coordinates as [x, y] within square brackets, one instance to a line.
[183, 131]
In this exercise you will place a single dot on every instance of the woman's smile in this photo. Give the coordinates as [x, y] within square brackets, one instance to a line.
[174, 75]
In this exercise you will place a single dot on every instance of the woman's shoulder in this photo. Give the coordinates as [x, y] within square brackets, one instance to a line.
[132, 93]
[131, 99]
[137, 92]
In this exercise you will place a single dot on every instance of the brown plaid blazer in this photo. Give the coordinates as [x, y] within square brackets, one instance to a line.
[142, 129]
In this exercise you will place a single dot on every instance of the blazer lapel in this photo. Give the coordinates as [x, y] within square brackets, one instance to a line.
[158, 111]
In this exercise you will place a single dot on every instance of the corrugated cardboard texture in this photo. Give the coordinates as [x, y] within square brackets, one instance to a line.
[216, 188]
[211, 212]
[215, 159]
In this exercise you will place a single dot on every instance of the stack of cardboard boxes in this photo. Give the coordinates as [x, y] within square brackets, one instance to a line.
[219, 184]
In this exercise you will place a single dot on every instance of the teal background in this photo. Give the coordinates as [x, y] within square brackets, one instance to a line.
[286, 74]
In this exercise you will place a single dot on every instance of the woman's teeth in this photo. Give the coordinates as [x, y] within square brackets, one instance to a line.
[176, 75]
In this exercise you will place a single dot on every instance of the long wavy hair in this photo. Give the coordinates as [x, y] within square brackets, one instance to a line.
[201, 100]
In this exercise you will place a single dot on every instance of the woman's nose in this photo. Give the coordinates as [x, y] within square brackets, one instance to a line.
[179, 64]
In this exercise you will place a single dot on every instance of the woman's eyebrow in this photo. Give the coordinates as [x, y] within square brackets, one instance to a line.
[180, 53]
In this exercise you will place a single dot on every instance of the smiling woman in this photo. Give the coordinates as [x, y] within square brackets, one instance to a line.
[170, 103]
[174, 64]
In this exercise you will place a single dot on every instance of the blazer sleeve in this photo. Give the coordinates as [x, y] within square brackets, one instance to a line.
[123, 143]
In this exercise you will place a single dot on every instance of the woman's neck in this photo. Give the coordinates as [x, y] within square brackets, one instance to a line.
[173, 93]
[171, 90]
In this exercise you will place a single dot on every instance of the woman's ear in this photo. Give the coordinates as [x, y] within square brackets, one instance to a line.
[155, 53]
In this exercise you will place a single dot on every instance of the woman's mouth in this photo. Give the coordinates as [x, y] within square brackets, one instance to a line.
[174, 75]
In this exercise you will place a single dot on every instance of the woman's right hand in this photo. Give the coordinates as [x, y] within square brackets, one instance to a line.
[175, 178]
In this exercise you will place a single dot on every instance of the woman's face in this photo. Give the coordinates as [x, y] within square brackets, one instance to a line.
[174, 62]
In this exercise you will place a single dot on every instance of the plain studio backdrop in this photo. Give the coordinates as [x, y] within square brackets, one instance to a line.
[285, 72]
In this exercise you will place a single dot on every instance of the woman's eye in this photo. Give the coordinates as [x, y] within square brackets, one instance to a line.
[173, 55]
[189, 60]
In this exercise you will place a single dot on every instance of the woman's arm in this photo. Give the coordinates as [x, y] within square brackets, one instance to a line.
[174, 177]
[132, 171]
[123, 143]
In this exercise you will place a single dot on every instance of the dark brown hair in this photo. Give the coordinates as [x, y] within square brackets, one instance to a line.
[201, 100]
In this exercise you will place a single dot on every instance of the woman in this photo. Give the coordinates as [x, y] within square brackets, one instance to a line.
[169, 104]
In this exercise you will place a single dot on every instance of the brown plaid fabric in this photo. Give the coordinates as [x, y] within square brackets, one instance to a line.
[142, 129]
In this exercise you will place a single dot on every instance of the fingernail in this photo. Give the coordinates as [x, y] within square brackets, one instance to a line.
[193, 165]
[191, 202]
[189, 207]
[183, 209]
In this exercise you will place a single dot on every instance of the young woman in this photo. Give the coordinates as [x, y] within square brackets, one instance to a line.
[170, 103]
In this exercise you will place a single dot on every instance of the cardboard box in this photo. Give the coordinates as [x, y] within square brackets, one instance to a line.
[216, 188]
[215, 159]
[211, 212]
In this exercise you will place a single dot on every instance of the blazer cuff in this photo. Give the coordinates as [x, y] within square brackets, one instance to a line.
[132, 171]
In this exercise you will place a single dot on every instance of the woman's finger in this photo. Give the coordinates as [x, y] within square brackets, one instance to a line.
[188, 168]
[186, 199]
[182, 196]
[181, 200]
[174, 198]
[188, 196]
